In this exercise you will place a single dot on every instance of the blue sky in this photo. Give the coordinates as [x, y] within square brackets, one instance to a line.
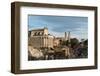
[57, 25]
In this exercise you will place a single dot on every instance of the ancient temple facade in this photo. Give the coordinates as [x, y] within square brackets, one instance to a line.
[40, 38]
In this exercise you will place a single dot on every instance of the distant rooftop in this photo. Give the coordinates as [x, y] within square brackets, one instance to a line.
[39, 29]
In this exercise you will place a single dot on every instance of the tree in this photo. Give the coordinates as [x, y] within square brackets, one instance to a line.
[85, 42]
[74, 41]
[64, 42]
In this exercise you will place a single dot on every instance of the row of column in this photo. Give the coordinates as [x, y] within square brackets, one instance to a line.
[44, 41]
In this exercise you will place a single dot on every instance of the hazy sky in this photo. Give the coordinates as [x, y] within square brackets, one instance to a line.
[57, 25]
